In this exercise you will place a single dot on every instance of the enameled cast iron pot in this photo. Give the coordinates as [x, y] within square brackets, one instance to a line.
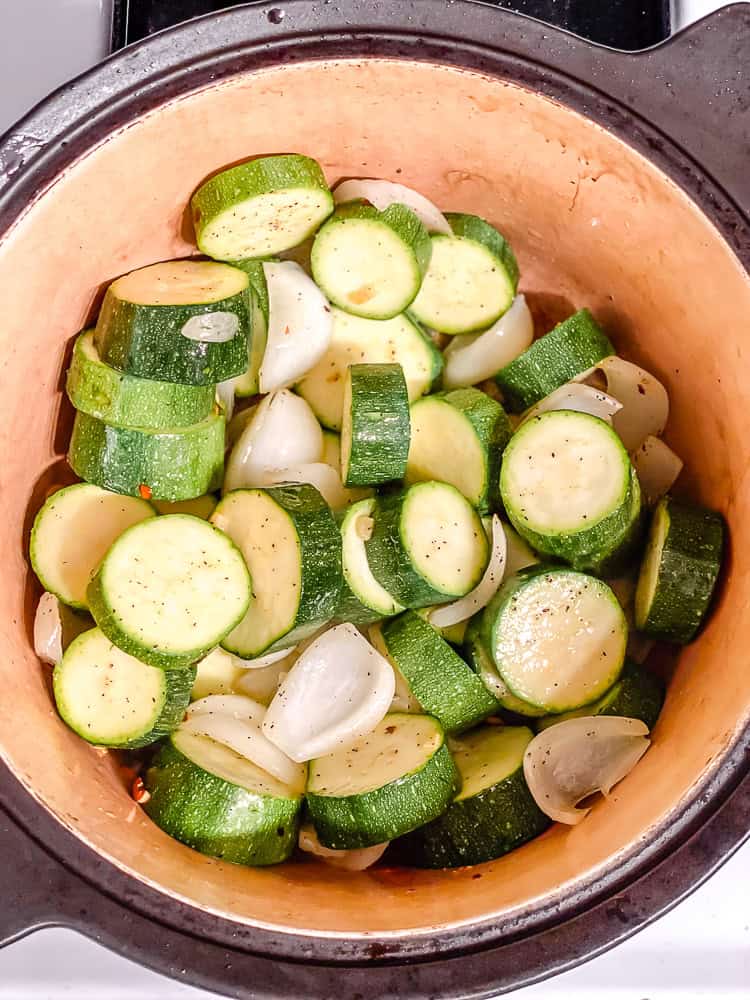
[622, 182]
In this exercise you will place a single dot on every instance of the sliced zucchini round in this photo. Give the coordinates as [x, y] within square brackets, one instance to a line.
[261, 207]
[208, 797]
[567, 485]
[72, 532]
[557, 637]
[443, 684]
[112, 699]
[181, 321]
[371, 263]
[367, 341]
[179, 463]
[428, 544]
[492, 814]
[458, 437]
[471, 280]
[395, 779]
[128, 401]
[362, 600]
[169, 590]
[292, 546]
[484, 667]
[679, 571]
[375, 429]
[571, 348]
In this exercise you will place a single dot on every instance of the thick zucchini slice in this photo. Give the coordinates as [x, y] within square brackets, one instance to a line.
[458, 437]
[679, 571]
[428, 544]
[112, 699]
[443, 684]
[362, 599]
[128, 401]
[371, 263]
[484, 667]
[569, 488]
[471, 280]
[368, 341]
[261, 207]
[395, 779]
[180, 321]
[169, 590]
[557, 637]
[73, 531]
[375, 429]
[208, 797]
[638, 694]
[179, 463]
[292, 546]
[492, 814]
[571, 348]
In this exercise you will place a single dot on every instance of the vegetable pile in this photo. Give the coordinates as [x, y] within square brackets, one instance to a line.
[358, 557]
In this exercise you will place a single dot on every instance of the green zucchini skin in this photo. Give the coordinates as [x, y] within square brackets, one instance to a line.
[249, 384]
[472, 227]
[176, 464]
[688, 571]
[378, 425]
[217, 818]
[572, 347]
[128, 401]
[443, 684]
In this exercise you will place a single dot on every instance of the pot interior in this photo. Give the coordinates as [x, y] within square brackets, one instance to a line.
[592, 223]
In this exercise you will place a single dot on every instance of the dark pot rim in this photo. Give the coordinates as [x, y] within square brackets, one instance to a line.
[560, 66]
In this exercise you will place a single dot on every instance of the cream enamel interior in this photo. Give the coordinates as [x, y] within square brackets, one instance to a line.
[593, 224]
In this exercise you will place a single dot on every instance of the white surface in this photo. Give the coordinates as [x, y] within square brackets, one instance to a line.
[700, 951]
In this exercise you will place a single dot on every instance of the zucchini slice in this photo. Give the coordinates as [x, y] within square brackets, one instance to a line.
[484, 667]
[557, 637]
[371, 263]
[428, 544]
[181, 321]
[443, 684]
[375, 428]
[169, 590]
[292, 546]
[458, 437]
[679, 571]
[261, 207]
[249, 383]
[72, 532]
[362, 600]
[395, 779]
[208, 797]
[638, 694]
[128, 401]
[179, 463]
[492, 814]
[561, 355]
[367, 341]
[471, 280]
[568, 487]
[112, 699]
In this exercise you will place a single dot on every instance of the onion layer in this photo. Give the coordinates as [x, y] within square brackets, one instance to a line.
[485, 590]
[657, 466]
[645, 403]
[381, 194]
[579, 397]
[477, 356]
[350, 861]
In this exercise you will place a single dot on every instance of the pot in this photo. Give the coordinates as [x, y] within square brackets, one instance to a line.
[621, 181]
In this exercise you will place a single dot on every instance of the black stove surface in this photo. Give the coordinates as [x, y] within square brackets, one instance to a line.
[624, 24]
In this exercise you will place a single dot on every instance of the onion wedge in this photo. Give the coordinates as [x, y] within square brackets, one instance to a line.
[657, 466]
[477, 356]
[225, 397]
[337, 691]
[645, 403]
[55, 627]
[518, 554]
[381, 194]
[260, 662]
[579, 397]
[571, 760]
[350, 861]
[262, 685]
[299, 325]
[323, 477]
[485, 590]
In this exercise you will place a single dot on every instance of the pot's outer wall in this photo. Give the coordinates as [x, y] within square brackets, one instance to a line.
[142, 78]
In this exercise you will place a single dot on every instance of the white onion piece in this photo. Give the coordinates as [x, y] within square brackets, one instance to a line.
[323, 477]
[225, 397]
[645, 403]
[579, 397]
[282, 431]
[212, 328]
[350, 861]
[262, 685]
[237, 425]
[262, 661]
[337, 691]
[299, 325]
[235, 721]
[476, 356]
[573, 759]
[48, 642]
[657, 466]
[381, 194]
[518, 555]
[478, 598]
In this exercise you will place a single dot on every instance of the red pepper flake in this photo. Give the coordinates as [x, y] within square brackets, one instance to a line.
[286, 331]
[145, 491]
[139, 792]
